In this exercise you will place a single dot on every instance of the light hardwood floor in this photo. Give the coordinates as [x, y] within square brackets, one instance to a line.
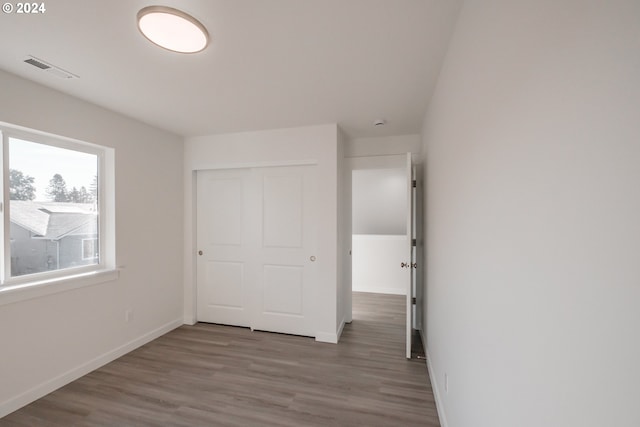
[211, 375]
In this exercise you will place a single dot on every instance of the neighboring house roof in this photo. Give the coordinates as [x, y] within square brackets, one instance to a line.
[51, 220]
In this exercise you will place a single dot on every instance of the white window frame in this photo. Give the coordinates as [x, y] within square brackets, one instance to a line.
[67, 278]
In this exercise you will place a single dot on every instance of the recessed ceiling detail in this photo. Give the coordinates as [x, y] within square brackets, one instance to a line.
[172, 29]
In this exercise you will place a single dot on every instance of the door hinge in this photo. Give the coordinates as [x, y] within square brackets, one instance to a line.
[414, 183]
[414, 242]
[414, 301]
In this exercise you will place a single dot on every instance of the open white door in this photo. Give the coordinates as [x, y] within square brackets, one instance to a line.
[409, 265]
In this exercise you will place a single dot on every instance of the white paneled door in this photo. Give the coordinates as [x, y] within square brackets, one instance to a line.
[410, 265]
[256, 248]
[224, 247]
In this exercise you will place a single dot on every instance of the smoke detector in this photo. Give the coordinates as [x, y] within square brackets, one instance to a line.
[49, 68]
[379, 122]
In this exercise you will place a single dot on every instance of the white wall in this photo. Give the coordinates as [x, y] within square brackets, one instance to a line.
[532, 144]
[379, 201]
[315, 144]
[376, 263]
[51, 340]
[383, 146]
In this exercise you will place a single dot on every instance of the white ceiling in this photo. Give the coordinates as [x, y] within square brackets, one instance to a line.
[271, 63]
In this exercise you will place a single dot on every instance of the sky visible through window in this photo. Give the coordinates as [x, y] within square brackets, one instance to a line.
[42, 162]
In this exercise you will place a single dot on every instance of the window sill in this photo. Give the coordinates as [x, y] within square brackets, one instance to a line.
[10, 294]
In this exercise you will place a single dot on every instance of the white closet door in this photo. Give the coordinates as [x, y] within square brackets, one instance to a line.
[286, 256]
[256, 233]
[224, 235]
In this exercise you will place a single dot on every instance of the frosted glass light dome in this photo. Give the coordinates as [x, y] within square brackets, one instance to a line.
[172, 29]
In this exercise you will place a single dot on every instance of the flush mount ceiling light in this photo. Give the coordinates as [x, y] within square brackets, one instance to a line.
[172, 29]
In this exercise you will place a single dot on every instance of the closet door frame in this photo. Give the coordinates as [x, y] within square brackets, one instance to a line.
[253, 302]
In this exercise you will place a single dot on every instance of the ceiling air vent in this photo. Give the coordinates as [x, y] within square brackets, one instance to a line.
[49, 68]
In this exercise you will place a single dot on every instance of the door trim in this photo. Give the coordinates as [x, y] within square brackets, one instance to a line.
[307, 174]
[190, 305]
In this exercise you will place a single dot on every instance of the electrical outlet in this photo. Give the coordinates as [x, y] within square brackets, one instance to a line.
[446, 383]
[128, 315]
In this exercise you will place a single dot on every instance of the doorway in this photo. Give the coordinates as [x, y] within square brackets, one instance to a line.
[384, 253]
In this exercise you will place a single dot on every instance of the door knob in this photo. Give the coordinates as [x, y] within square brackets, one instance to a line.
[200, 252]
[312, 258]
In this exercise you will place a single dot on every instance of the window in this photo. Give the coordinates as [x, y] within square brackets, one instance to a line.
[89, 249]
[57, 210]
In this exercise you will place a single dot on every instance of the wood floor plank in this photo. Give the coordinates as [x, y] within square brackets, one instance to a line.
[212, 375]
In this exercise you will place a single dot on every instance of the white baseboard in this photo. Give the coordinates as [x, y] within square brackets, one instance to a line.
[340, 329]
[189, 320]
[436, 391]
[424, 340]
[331, 338]
[55, 383]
